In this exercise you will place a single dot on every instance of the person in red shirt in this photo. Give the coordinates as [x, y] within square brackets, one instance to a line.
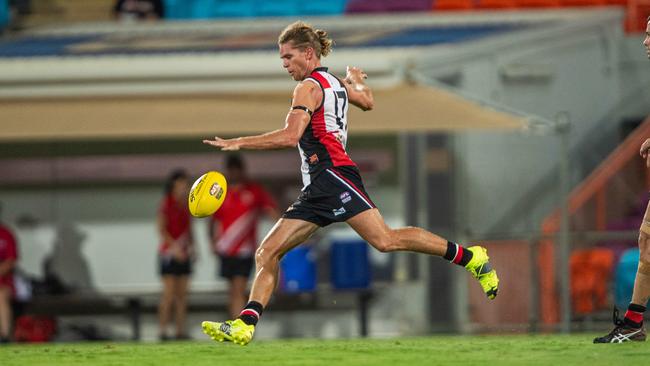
[8, 258]
[176, 252]
[234, 229]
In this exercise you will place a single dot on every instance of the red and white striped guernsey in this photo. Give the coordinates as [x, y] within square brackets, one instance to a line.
[237, 220]
[322, 145]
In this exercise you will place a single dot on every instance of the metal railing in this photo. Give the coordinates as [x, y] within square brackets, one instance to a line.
[517, 309]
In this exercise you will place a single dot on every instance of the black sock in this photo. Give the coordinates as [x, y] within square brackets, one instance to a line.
[457, 254]
[634, 316]
[251, 313]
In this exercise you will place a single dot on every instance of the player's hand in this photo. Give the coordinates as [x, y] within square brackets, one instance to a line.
[223, 144]
[644, 152]
[354, 75]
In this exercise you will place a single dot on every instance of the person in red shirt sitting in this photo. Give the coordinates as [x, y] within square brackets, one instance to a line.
[8, 259]
[234, 229]
[176, 252]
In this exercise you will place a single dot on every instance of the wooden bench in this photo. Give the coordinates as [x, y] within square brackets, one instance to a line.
[133, 306]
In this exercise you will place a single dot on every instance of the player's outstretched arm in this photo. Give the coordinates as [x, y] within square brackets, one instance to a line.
[359, 93]
[304, 95]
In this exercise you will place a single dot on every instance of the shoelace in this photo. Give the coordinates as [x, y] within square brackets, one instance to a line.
[616, 319]
[481, 271]
[225, 328]
[617, 322]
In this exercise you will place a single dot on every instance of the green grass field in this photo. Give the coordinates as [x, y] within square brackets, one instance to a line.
[438, 350]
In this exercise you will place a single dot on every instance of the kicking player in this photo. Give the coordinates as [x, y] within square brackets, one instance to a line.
[333, 190]
[631, 327]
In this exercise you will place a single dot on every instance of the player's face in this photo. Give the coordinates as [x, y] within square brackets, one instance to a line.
[296, 62]
[235, 175]
[646, 41]
[181, 188]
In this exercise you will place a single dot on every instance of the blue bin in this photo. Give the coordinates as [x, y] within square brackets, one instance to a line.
[349, 264]
[625, 275]
[298, 271]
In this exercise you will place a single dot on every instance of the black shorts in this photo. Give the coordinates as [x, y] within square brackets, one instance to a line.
[170, 266]
[335, 195]
[234, 266]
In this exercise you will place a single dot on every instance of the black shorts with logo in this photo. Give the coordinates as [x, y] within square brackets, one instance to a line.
[335, 195]
[234, 266]
[170, 266]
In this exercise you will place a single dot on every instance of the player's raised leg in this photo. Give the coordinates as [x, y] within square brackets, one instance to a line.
[285, 235]
[371, 227]
[631, 327]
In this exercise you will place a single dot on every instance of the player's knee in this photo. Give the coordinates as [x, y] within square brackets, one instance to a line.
[259, 256]
[265, 254]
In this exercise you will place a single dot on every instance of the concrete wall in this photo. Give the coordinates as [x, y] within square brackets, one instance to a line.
[112, 232]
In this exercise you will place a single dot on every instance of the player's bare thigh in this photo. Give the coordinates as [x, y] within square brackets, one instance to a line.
[285, 234]
[370, 225]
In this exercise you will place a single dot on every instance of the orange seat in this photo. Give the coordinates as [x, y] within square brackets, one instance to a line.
[496, 4]
[453, 4]
[583, 2]
[591, 270]
[538, 3]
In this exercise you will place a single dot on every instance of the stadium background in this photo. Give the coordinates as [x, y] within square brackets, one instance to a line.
[487, 120]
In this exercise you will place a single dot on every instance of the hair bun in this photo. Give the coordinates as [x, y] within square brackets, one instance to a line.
[325, 42]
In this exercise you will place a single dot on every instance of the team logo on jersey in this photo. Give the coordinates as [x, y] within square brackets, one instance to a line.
[338, 211]
[345, 197]
[313, 159]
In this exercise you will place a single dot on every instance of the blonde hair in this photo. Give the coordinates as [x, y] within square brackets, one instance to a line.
[303, 35]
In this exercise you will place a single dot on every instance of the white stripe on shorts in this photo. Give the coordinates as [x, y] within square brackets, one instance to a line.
[351, 188]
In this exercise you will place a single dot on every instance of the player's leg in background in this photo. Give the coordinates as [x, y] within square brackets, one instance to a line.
[371, 227]
[180, 304]
[237, 295]
[284, 236]
[631, 327]
[5, 312]
[642, 281]
[165, 305]
[641, 291]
